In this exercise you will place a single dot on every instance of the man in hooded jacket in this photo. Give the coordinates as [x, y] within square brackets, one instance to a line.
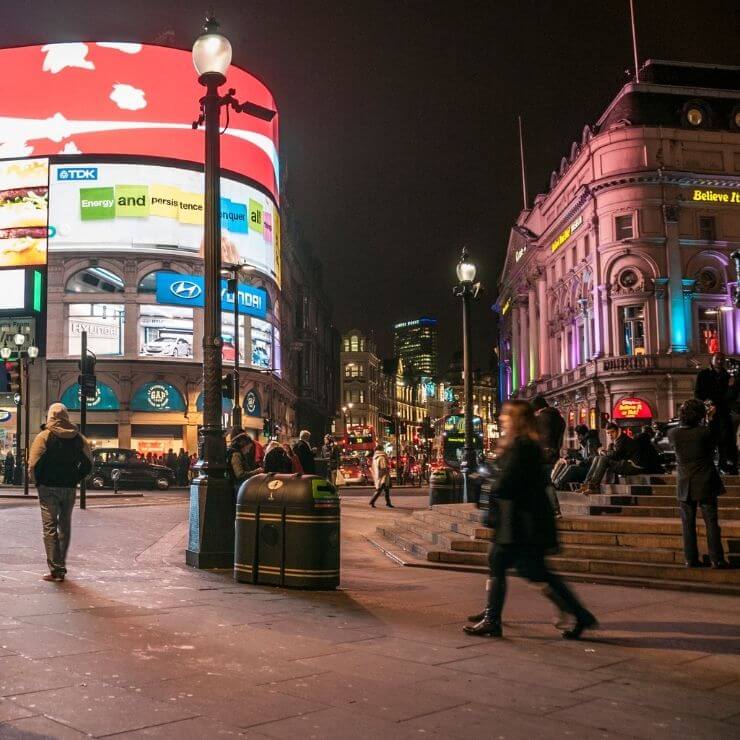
[59, 459]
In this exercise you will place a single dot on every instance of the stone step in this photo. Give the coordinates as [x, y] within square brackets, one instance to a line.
[670, 480]
[452, 523]
[667, 512]
[620, 499]
[659, 490]
[406, 541]
[629, 568]
[615, 552]
[637, 525]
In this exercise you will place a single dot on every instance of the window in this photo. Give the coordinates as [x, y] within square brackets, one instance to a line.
[228, 348]
[261, 356]
[709, 341]
[354, 343]
[354, 370]
[623, 227]
[165, 332]
[94, 280]
[633, 329]
[148, 284]
[586, 246]
[103, 323]
[707, 228]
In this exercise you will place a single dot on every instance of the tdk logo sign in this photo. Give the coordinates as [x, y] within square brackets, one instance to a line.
[77, 173]
[186, 290]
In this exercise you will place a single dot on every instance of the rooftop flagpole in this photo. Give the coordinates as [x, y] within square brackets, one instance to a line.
[521, 158]
[634, 40]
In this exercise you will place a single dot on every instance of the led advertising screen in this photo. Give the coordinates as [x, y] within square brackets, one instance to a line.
[12, 290]
[134, 206]
[126, 99]
[24, 207]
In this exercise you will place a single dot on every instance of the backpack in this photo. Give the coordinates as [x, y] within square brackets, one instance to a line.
[63, 463]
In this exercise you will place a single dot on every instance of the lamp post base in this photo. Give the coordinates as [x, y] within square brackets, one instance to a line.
[211, 536]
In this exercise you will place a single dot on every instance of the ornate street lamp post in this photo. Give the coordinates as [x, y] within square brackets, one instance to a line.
[466, 289]
[211, 538]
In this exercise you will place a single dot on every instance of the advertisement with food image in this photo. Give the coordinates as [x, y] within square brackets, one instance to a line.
[24, 212]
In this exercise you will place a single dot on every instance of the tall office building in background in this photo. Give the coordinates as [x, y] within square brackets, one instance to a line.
[415, 342]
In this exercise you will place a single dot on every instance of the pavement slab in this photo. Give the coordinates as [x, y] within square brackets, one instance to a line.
[38, 727]
[97, 709]
[639, 721]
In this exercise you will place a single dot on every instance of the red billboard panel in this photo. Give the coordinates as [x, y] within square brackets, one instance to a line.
[126, 99]
[632, 408]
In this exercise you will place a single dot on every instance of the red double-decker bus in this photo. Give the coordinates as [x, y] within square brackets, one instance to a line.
[359, 439]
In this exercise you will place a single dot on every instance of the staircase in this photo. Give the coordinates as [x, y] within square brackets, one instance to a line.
[630, 534]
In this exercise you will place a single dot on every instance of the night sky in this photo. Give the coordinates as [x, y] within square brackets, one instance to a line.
[398, 119]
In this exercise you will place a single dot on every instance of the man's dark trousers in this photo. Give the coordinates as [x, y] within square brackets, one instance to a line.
[57, 504]
[714, 533]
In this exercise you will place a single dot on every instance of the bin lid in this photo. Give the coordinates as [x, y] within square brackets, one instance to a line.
[301, 491]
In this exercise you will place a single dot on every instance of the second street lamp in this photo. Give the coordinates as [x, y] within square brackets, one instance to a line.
[466, 289]
[211, 538]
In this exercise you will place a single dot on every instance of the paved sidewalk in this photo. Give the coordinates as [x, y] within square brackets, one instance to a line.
[135, 644]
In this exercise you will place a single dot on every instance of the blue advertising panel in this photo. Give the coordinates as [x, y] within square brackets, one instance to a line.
[173, 288]
[252, 404]
[105, 398]
[226, 404]
[158, 396]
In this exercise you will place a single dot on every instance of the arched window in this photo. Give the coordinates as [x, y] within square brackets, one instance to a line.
[148, 284]
[354, 370]
[94, 280]
[354, 343]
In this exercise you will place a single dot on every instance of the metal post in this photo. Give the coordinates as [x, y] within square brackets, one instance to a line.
[211, 532]
[469, 449]
[26, 421]
[83, 411]
[236, 413]
[18, 425]
[399, 478]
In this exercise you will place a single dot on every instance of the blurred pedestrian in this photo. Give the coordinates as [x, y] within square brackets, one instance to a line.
[305, 453]
[171, 461]
[524, 523]
[183, 465]
[9, 468]
[697, 482]
[381, 470]
[330, 452]
[240, 460]
[550, 430]
[295, 462]
[59, 459]
[715, 386]
[276, 460]
[646, 454]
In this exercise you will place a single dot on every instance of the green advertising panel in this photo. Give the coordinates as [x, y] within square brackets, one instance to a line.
[255, 216]
[97, 204]
[132, 201]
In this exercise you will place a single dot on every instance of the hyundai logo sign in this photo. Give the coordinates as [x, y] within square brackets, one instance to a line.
[186, 289]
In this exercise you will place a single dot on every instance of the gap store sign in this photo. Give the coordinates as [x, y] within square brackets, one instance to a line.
[172, 288]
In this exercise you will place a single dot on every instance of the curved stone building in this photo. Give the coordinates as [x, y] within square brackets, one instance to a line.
[618, 281]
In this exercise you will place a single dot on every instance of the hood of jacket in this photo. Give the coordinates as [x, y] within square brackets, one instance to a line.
[57, 421]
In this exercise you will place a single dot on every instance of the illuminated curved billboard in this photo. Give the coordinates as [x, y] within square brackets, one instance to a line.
[105, 98]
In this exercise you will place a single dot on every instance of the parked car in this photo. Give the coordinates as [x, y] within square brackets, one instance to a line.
[168, 347]
[352, 471]
[133, 470]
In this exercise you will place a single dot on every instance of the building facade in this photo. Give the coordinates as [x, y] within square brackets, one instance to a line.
[618, 281]
[415, 342]
[113, 251]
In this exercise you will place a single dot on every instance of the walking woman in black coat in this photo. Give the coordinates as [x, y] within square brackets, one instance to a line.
[524, 521]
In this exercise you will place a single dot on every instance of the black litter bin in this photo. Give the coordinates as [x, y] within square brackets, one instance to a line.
[445, 487]
[287, 532]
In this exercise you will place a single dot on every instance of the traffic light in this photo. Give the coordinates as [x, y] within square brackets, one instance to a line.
[13, 370]
[227, 385]
[86, 379]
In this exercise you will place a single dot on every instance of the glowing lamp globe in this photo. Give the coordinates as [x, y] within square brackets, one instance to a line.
[211, 51]
[466, 269]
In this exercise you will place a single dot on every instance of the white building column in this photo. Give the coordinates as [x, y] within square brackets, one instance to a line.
[544, 350]
[523, 344]
[533, 370]
[514, 356]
